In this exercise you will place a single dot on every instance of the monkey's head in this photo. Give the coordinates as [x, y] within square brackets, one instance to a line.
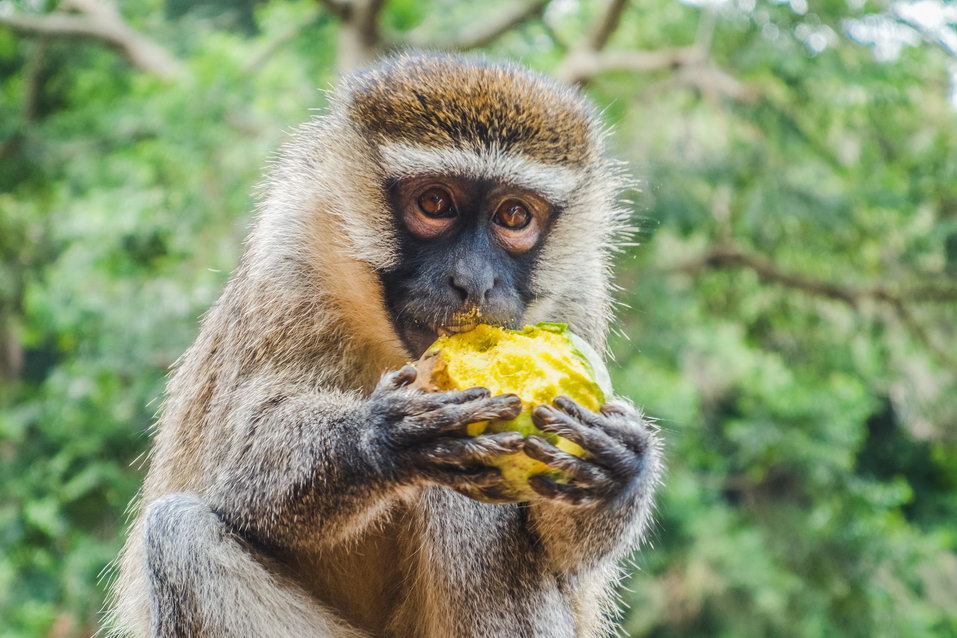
[474, 193]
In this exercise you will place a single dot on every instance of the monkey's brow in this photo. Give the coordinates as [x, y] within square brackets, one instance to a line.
[554, 183]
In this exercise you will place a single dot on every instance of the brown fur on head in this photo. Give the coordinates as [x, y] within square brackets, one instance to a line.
[448, 102]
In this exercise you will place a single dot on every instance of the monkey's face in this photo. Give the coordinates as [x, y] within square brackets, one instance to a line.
[466, 253]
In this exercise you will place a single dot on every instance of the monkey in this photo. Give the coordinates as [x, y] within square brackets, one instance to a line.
[298, 485]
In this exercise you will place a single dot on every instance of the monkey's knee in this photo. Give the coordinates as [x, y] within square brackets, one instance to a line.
[178, 528]
[180, 534]
[205, 582]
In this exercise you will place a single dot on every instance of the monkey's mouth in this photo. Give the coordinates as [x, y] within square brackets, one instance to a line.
[460, 322]
[445, 331]
[418, 336]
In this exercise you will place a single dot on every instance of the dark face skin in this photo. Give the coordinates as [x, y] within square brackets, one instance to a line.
[467, 250]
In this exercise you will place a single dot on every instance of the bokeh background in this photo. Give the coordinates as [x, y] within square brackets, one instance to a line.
[789, 305]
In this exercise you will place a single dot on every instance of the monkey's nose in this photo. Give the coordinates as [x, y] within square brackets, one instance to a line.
[472, 285]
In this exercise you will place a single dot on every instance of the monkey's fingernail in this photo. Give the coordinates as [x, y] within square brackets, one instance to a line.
[406, 374]
[510, 442]
[563, 402]
[610, 409]
[545, 412]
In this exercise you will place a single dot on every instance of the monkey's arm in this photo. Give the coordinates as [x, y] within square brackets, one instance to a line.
[317, 466]
[601, 513]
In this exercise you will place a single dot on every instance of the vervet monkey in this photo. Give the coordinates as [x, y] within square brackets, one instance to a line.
[297, 485]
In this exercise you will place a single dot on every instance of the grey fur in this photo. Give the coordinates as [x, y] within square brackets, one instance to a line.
[295, 491]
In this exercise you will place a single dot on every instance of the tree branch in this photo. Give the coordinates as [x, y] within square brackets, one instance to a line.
[727, 255]
[32, 73]
[582, 66]
[605, 26]
[926, 33]
[907, 318]
[359, 37]
[693, 64]
[339, 8]
[485, 34]
[584, 54]
[101, 22]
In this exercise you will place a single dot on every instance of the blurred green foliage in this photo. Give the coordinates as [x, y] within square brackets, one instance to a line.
[790, 314]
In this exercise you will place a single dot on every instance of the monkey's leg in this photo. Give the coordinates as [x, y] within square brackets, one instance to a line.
[204, 582]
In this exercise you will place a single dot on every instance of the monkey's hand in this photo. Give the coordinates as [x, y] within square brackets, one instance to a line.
[620, 451]
[422, 436]
[599, 515]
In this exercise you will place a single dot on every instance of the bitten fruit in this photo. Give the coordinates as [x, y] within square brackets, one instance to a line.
[537, 363]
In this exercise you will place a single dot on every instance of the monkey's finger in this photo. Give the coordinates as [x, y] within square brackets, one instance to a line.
[473, 480]
[578, 413]
[617, 408]
[618, 420]
[437, 399]
[400, 378]
[603, 449]
[580, 471]
[470, 451]
[418, 405]
[551, 419]
[455, 418]
[489, 487]
[632, 432]
[563, 492]
[502, 406]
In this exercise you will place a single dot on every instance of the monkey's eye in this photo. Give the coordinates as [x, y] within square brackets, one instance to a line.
[436, 203]
[512, 214]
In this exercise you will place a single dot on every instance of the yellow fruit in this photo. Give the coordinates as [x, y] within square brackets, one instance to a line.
[537, 363]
